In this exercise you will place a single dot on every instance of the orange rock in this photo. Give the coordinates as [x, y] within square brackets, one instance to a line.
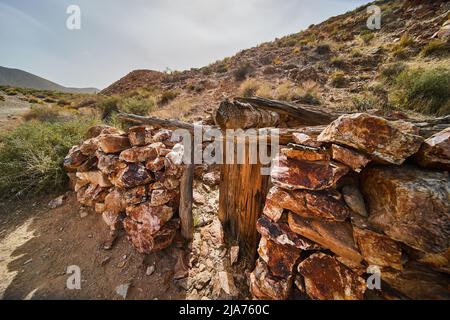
[162, 196]
[265, 286]
[90, 194]
[140, 135]
[155, 164]
[312, 175]
[89, 147]
[306, 140]
[113, 143]
[336, 236]
[280, 259]
[354, 199]
[135, 195]
[164, 237]
[327, 279]
[153, 217]
[305, 153]
[133, 175]
[377, 249]
[435, 151]
[89, 165]
[74, 159]
[410, 205]
[109, 163]
[312, 204]
[351, 158]
[139, 154]
[95, 131]
[115, 202]
[385, 141]
[95, 178]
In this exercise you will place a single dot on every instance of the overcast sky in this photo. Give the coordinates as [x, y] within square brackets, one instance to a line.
[118, 36]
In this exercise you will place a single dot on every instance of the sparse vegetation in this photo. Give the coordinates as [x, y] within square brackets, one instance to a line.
[167, 96]
[108, 107]
[137, 105]
[43, 113]
[249, 87]
[242, 72]
[338, 79]
[390, 71]
[2, 98]
[435, 48]
[424, 90]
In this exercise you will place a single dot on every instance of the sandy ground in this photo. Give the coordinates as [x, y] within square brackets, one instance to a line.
[10, 111]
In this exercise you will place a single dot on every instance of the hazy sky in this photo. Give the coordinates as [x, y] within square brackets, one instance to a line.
[118, 36]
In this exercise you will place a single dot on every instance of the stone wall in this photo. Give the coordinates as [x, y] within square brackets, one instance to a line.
[131, 179]
[366, 198]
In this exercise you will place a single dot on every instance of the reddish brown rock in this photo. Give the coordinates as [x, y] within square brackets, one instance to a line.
[280, 233]
[111, 219]
[115, 202]
[140, 135]
[74, 159]
[279, 259]
[89, 194]
[171, 183]
[89, 165]
[310, 204]
[438, 261]
[265, 286]
[385, 141]
[95, 131]
[133, 175]
[155, 164]
[95, 178]
[435, 151]
[89, 147]
[306, 140]
[327, 279]
[350, 158]
[142, 241]
[312, 175]
[164, 237]
[162, 135]
[109, 163]
[336, 236]
[305, 153]
[354, 200]
[377, 249]
[135, 195]
[410, 205]
[153, 217]
[113, 143]
[99, 207]
[139, 154]
[159, 197]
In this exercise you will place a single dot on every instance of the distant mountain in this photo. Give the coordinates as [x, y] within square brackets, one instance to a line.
[23, 79]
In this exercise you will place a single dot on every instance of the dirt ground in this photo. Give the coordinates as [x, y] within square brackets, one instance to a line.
[11, 110]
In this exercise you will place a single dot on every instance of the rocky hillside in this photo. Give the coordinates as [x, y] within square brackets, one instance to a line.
[339, 64]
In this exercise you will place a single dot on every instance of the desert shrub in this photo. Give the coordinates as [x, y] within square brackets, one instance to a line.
[242, 71]
[249, 87]
[338, 62]
[33, 100]
[356, 53]
[62, 103]
[338, 79]
[43, 113]
[307, 93]
[265, 90]
[167, 96]
[284, 91]
[11, 92]
[323, 48]
[222, 68]
[31, 156]
[2, 98]
[277, 61]
[390, 71]
[367, 36]
[364, 102]
[435, 48]
[424, 90]
[108, 106]
[137, 105]
[49, 100]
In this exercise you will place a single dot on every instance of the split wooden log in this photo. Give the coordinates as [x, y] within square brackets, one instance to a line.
[158, 122]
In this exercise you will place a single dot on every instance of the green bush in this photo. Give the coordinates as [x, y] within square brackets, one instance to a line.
[424, 90]
[108, 107]
[435, 48]
[137, 105]
[48, 114]
[390, 71]
[167, 96]
[338, 80]
[31, 156]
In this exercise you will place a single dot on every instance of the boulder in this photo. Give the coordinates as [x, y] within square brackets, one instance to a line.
[89, 194]
[349, 157]
[306, 140]
[305, 153]
[159, 197]
[89, 165]
[115, 202]
[135, 195]
[74, 159]
[95, 178]
[435, 151]
[385, 141]
[311, 175]
[113, 143]
[377, 249]
[155, 164]
[310, 204]
[152, 217]
[95, 131]
[410, 205]
[164, 237]
[354, 199]
[89, 147]
[265, 286]
[140, 135]
[336, 236]
[132, 175]
[327, 279]
[109, 163]
[139, 154]
[279, 259]
[280, 233]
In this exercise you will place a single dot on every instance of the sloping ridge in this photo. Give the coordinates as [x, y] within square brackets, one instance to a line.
[135, 79]
[19, 78]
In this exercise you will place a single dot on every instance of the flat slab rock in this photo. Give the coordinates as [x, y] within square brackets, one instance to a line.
[113, 143]
[327, 279]
[265, 286]
[132, 175]
[140, 135]
[349, 157]
[309, 204]
[280, 259]
[336, 236]
[410, 205]
[385, 141]
[150, 216]
[435, 151]
[310, 175]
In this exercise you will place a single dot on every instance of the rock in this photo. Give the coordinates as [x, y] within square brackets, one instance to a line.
[213, 232]
[111, 219]
[385, 141]
[306, 140]
[122, 290]
[89, 147]
[149, 271]
[198, 197]
[377, 249]
[234, 254]
[171, 183]
[89, 165]
[99, 207]
[113, 143]
[115, 201]
[164, 237]
[279, 259]
[311, 175]
[181, 267]
[135, 195]
[211, 178]
[410, 205]
[264, 286]
[133, 175]
[437, 261]
[354, 199]
[336, 236]
[139, 154]
[109, 163]
[309, 204]
[95, 131]
[57, 202]
[162, 135]
[435, 151]
[202, 279]
[282, 234]
[350, 158]
[160, 197]
[97, 178]
[418, 283]
[155, 164]
[74, 159]
[227, 283]
[305, 153]
[444, 32]
[152, 217]
[84, 212]
[89, 194]
[327, 279]
[140, 135]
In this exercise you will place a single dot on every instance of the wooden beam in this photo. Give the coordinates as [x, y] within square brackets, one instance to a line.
[186, 199]
[165, 123]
